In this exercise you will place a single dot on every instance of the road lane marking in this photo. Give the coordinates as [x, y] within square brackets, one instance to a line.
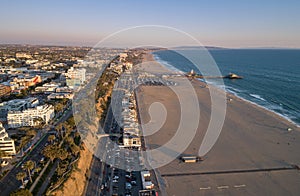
[239, 186]
[205, 188]
[223, 187]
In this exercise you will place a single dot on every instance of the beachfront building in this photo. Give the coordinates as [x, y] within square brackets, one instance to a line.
[75, 77]
[131, 141]
[7, 144]
[30, 117]
[131, 131]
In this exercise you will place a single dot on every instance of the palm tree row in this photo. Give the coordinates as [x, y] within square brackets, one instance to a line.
[28, 166]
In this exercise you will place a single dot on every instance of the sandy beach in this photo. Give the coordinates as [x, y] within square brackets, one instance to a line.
[255, 146]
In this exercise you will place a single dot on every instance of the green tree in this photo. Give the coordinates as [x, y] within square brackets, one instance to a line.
[31, 132]
[29, 165]
[22, 192]
[77, 138]
[59, 129]
[51, 138]
[70, 140]
[2, 154]
[38, 169]
[50, 152]
[74, 149]
[62, 154]
[39, 122]
[20, 176]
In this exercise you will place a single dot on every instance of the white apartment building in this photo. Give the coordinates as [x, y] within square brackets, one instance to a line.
[16, 105]
[6, 143]
[75, 77]
[30, 117]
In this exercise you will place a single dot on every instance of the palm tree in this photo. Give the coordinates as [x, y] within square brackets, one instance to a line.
[29, 165]
[59, 129]
[38, 169]
[20, 176]
[50, 152]
[51, 138]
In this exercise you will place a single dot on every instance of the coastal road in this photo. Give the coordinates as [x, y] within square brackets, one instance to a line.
[101, 175]
[97, 169]
[9, 183]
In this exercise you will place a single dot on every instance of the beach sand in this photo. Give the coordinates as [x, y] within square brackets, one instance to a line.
[252, 138]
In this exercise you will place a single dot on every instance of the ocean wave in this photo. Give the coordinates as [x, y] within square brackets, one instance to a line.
[269, 107]
[257, 97]
[274, 108]
[167, 64]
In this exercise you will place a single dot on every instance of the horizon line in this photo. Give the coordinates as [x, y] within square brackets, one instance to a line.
[180, 46]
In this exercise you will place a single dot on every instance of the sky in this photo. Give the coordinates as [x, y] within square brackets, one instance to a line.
[224, 23]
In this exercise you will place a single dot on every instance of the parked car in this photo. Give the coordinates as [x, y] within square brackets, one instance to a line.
[128, 185]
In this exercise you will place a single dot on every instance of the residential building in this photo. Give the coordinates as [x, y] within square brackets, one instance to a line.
[4, 90]
[30, 117]
[48, 87]
[23, 55]
[26, 81]
[60, 96]
[75, 77]
[6, 143]
[16, 105]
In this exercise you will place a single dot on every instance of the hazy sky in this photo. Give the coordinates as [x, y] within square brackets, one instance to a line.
[227, 23]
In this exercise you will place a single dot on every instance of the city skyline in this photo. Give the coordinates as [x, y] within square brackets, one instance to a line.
[233, 25]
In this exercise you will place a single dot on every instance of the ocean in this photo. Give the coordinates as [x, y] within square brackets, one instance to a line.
[271, 77]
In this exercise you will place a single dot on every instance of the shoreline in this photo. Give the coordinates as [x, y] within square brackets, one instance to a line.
[252, 138]
[278, 115]
[233, 94]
